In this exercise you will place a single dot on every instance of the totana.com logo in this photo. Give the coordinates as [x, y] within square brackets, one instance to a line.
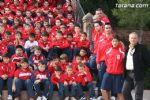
[132, 5]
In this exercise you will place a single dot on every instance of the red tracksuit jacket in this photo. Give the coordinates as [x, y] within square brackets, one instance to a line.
[7, 69]
[103, 44]
[114, 58]
[23, 74]
[55, 80]
[80, 78]
[69, 78]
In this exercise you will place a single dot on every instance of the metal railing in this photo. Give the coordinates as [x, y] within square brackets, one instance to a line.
[78, 10]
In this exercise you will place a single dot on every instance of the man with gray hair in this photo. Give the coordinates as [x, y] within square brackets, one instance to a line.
[136, 62]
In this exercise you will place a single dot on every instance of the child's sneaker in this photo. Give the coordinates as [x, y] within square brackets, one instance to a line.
[100, 98]
[93, 98]
[9, 97]
[66, 98]
[73, 98]
[39, 98]
[112, 98]
[44, 98]
[82, 98]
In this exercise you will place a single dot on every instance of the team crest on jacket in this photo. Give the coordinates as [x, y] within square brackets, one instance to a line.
[118, 57]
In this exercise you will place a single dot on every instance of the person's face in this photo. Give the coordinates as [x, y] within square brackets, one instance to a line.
[108, 29]
[16, 22]
[16, 2]
[69, 16]
[31, 39]
[28, 13]
[83, 37]
[18, 13]
[38, 14]
[78, 59]
[58, 22]
[7, 37]
[17, 36]
[69, 38]
[46, 4]
[82, 52]
[63, 60]
[69, 70]
[81, 69]
[133, 39]
[97, 27]
[57, 72]
[77, 29]
[99, 13]
[19, 51]
[41, 67]
[6, 60]
[44, 38]
[24, 65]
[7, 11]
[37, 52]
[115, 42]
[56, 61]
[71, 25]
[62, 29]
[59, 36]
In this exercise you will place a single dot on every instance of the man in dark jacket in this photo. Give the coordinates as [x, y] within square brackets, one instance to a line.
[136, 62]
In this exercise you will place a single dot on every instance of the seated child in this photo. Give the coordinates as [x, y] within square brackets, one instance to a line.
[19, 54]
[7, 69]
[57, 81]
[30, 44]
[22, 78]
[40, 78]
[69, 83]
[36, 57]
[84, 79]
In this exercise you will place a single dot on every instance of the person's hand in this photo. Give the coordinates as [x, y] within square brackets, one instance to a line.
[58, 85]
[74, 83]
[85, 79]
[98, 66]
[4, 77]
[37, 81]
[13, 88]
[65, 83]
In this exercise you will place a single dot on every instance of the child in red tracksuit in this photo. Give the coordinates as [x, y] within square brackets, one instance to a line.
[55, 61]
[36, 57]
[22, 78]
[19, 54]
[57, 81]
[40, 78]
[7, 69]
[113, 77]
[84, 79]
[69, 83]
[60, 44]
[78, 60]
[64, 62]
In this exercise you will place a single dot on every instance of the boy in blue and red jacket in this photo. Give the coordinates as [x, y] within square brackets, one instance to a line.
[40, 78]
[7, 69]
[113, 77]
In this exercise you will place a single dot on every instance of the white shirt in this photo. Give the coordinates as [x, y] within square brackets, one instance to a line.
[129, 62]
[29, 44]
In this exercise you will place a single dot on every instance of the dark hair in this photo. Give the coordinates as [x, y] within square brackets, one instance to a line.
[58, 68]
[19, 47]
[84, 33]
[108, 23]
[99, 9]
[45, 34]
[32, 35]
[41, 62]
[7, 55]
[18, 32]
[59, 32]
[38, 48]
[70, 34]
[98, 22]
[24, 60]
[8, 33]
[116, 37]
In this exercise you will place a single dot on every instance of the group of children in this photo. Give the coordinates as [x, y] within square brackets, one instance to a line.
[43, 49]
